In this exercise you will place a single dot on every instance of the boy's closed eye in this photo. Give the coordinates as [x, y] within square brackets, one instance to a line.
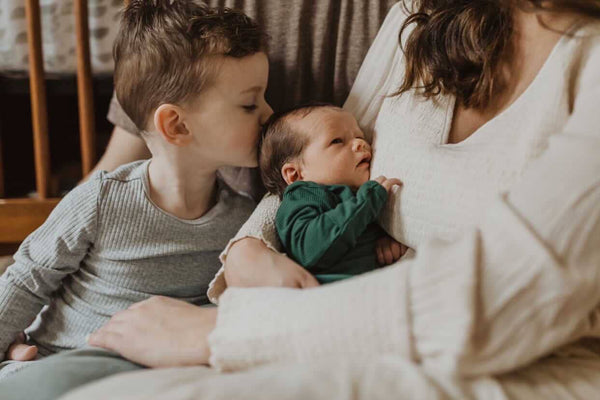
[250, 108]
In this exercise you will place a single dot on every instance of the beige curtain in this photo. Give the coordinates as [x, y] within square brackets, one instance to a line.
[316, 46]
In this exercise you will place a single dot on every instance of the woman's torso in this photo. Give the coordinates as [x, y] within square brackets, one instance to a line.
[447, 186]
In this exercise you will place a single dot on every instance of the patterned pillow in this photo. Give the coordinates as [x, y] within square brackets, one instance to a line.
[58, 34]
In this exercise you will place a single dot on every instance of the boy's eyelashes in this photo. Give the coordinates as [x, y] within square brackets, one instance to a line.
[250, 108]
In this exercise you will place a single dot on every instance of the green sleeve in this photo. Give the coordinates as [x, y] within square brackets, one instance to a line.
[308, 228]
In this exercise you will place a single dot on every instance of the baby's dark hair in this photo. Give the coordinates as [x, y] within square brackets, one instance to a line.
[280, 142]
[165, 51]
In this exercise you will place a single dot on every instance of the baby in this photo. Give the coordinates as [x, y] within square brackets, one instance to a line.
[153, 227]
[316, 159]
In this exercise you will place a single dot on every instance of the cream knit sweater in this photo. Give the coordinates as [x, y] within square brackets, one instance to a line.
[506, 225]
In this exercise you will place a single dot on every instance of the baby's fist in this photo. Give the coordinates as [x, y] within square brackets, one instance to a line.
[389, 250]
[388, 183]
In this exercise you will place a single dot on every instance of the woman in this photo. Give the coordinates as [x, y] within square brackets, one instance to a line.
[498, 150]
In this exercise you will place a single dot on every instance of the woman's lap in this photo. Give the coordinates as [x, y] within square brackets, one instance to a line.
[576, 376]
[55, 375]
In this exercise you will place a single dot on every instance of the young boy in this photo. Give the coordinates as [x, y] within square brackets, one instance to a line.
[316, 159]
[193, 80]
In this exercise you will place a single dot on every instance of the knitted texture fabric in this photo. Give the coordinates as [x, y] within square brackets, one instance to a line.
[329, 229]
[105, 247]
[485, 262]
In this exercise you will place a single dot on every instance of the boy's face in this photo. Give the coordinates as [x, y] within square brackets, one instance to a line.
[227, 117]
[337, 152]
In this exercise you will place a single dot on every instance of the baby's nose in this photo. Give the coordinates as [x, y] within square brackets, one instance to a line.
[360, 145]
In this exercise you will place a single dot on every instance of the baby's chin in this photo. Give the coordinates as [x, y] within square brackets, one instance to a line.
[359, 182]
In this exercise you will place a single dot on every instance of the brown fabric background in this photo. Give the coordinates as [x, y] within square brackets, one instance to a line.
[316, 47]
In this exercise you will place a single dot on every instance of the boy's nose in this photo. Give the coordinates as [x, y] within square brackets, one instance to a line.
[267, 112]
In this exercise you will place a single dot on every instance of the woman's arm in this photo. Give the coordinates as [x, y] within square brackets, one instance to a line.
[123, 147]
[523, 282]
[252, 257]
[251, 263]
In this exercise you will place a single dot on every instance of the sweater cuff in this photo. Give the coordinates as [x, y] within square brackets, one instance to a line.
[217, 286]
[17, 311]
[375, 193]
[362, 317]
[442, 290]
[261, 226]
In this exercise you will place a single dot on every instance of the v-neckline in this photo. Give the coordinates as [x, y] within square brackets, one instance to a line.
[452, 103]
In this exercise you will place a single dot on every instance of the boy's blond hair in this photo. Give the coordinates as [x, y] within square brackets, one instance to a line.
[166, 51]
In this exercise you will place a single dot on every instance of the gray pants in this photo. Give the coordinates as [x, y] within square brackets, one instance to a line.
[53, 376]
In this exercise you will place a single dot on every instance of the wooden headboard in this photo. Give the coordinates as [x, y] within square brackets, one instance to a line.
[315, 54]
[20, 216]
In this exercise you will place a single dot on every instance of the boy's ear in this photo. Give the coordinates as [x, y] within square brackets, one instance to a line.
[169, 122]
[291, 172]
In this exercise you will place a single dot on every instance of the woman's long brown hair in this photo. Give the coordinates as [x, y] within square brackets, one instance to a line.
[456, 45]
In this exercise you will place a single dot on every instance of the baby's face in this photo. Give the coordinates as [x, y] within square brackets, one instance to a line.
[337, 152]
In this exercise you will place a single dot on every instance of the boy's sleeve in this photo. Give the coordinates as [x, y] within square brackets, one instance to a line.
[308, 232]
[45, 258]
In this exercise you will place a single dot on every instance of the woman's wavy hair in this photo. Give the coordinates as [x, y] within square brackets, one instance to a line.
[456, 45]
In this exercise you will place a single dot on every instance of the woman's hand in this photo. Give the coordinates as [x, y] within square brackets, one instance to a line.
[159, 332]
[251, 263]
[20, 351]
[389, 250]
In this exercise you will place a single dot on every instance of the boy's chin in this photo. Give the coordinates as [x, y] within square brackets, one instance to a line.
[248, 163]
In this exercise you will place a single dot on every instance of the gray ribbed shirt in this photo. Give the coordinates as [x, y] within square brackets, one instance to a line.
[105, 247]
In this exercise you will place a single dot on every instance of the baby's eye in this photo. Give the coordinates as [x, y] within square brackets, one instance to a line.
[250, 108]
[336, 141]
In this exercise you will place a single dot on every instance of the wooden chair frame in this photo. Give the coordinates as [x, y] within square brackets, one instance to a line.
[19, 217]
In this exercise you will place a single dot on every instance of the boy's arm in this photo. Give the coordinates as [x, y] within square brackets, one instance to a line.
[308, 232]
[43, 260]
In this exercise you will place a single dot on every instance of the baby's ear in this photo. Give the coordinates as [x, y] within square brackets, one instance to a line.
[291, 172]
[169, 122]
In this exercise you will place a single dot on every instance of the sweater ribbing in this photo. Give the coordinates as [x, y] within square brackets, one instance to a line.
[105, 247]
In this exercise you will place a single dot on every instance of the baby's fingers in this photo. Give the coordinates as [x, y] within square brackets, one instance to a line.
[388, 255]
[389, 183]
[396, 250]
[380, 179]
[384, 252]
[379, 252]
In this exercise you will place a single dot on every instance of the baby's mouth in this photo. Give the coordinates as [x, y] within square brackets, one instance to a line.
[365, 161]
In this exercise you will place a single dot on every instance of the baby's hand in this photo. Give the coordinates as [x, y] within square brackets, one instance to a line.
[388, 183]
[389, 250]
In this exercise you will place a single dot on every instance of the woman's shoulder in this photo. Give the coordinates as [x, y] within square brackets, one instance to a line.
[396, 16]
[584, 38]
[583, 56]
